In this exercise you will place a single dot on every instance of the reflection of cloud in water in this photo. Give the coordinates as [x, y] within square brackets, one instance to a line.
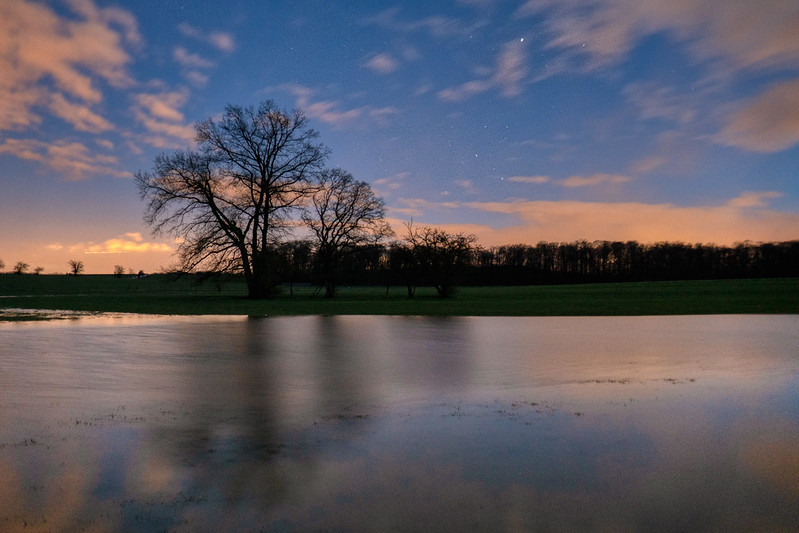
[386, 423]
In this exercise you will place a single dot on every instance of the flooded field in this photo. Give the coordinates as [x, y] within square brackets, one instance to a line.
[362, 423]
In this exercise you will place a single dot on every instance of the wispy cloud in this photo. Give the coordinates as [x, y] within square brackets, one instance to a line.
[768, 123]
[438, 26]
[333, 112]
[466, 185]
[508, 75]
[187, 59]
[220, 40]
[592, 180]
[530, 179]
[388, 185]
[573, 181]
[72, 159]
[382, 63]
[193, 65]
[658, 102]
[746, 34]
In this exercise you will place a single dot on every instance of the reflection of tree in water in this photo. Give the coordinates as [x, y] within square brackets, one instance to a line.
[226, 449]
[248, 425]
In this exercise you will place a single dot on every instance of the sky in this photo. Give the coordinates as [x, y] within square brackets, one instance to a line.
[516, 120]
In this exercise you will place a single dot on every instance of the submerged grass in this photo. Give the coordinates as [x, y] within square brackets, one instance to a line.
[160, 294]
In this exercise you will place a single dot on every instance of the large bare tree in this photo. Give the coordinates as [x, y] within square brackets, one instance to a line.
[227, 202]
[343, 213]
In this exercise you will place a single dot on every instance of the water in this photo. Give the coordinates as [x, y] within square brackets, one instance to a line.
[400, 424]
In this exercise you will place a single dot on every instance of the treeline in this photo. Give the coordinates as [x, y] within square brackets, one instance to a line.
[400, 263]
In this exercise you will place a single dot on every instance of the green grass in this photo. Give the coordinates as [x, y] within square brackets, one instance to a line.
[159, 295]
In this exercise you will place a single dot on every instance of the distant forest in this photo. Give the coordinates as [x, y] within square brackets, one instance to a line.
[547, 263]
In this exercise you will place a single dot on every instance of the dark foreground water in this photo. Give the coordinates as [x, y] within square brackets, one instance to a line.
[400, 424]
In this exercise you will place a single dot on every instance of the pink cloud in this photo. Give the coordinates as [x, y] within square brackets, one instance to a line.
[76, 52]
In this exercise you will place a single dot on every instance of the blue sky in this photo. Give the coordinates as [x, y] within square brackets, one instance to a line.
[515, 120]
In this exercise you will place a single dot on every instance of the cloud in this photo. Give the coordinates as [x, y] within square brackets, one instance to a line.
[744, 218]
[75, 160]
[465, 90]
[127, 243]
[223, 41]
[593, 179]
[530, 179]
[436, 25]
[187, 59]
[754, 199]
[390, 183]
[192, 64]
[75, 52]
[507, 75]
[331, 111]
[767, 123]
[197, 79]
[220, 40]
[80, 116]
[382, 63]
[466, 185]
[573, 181]
[655, 101]
[160, 114]
[743, 34]
[511, 69]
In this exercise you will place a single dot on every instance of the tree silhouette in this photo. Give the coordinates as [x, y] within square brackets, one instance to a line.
[440, 256]
[230, 200]
[76, 267]
[343, 213]
[21, 267]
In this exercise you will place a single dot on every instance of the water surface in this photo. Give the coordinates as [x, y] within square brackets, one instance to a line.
[400, 424]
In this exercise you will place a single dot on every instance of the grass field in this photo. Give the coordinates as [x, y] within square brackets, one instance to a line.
[158, 294]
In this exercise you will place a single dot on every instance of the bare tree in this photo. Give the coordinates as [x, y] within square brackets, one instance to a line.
[76, 267]
[21, 267]
[2, 264]
[343, 213]
[439, 256]
[119, 271]
[38, 270]
[228, 202]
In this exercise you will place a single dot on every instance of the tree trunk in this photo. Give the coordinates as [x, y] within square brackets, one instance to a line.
[330, 288]
[259, 283]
